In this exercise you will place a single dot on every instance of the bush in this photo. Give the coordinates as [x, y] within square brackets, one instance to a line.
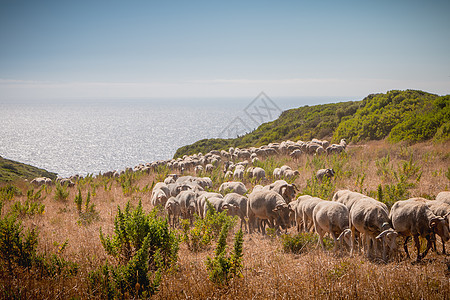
[29, 208]
[89, 214]
[223, 267]
[61, 192]
[143, 245]
[204, 231]
[18, 249]
[303, 242]
[8, 192]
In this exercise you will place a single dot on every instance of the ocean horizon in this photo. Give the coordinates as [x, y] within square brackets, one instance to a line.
[86, 136]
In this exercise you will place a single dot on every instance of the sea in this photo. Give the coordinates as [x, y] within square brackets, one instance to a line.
[89, 136]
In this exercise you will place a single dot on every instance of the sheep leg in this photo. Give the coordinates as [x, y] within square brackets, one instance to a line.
[443, 246]
[429, 245]
[405, 246]
[417, 243]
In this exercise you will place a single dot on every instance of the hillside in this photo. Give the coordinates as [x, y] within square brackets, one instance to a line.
[12, 170]
[409, 115]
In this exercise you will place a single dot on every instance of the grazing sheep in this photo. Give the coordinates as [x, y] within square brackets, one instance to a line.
[443, 197]
[330, 217]
[228, 175]
[160, 186]
[369, 217]
[159, 197]
[324, 173]
[284, 189]
[258, 173]
[296, 154]
[173, 211]
[232, 186]
[270, 206]
[41, 181]
[412, 217]
[388, 238]
[239, 172]
[304, 211]
[440, 209]
[66, 182]
[198, 169]
[188, 204]
[277, 173]
[237, 206]
[201, 200]
[290, 174]
[283, 169]
[347, 197]
[209, 168]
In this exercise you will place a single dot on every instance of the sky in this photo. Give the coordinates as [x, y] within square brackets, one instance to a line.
[183, 49]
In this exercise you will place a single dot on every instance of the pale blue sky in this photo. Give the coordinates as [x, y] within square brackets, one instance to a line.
[101, 49]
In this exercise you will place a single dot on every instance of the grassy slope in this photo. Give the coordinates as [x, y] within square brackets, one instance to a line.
[399, 115]
[12, 170]
[268, 271]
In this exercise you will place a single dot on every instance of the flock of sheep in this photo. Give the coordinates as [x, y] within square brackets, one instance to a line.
[352, 219]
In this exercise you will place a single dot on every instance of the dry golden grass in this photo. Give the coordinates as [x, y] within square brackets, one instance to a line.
[268, 271]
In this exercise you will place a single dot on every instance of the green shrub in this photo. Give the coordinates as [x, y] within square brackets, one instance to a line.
[28, 208]
[303, 242]
[18, 249]
[8, 192]
[223, 267]
[204, 231]
[89, 214]
[143, 245]
[323, 190]
[61, 192]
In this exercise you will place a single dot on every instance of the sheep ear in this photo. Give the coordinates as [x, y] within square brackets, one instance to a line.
[225, 206]
[295, 186]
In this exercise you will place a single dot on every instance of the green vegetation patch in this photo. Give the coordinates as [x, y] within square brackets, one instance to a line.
[12, 170]
[410, 115]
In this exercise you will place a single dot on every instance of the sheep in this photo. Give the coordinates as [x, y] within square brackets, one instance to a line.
[173, 210]
[331, 217]
[347, 197]
[283, 169]
[270, 206]
[160, 186]
[290, 174]
[209, 168]
[188, 204]
[237, 206]
[328, 173]
[159, 198]
[66, 182]
[228, 175]
[41, 181]
[388, 238]
[304, 211]
[412, 217]
[239, 172]
[443, 197]
[258, 173]
[284, 189]
[201, 200]
[439, 209]
[369, 217]
[198, 169]
[296, 154]
[232, 186]
[217, 203]
[277, 173]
